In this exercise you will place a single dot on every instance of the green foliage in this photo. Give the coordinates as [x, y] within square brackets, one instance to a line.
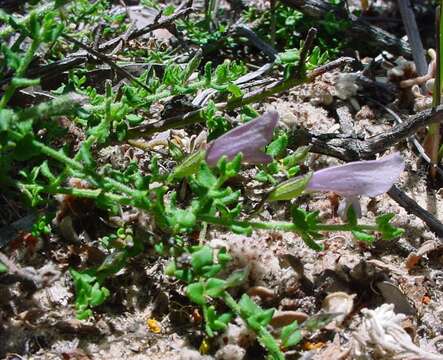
[287, 166]
[292, 25]
[291, 335]
[3, 268]
[88, 292]
[34, 160]
[42, 226]
[89, 284]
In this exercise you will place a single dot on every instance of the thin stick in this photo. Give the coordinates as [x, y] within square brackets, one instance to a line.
[107, 60]
[418, 51]
[413, 208]
[434, 129]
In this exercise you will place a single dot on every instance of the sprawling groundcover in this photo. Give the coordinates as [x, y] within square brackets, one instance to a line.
[220, 179]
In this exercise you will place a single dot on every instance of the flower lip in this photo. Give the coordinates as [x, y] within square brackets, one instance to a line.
[247, 139]
[368, 178]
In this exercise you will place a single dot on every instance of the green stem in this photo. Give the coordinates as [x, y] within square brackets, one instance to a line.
[87, 193]
[10, 90]
[283, 226]
[57, 155]
[263, 334]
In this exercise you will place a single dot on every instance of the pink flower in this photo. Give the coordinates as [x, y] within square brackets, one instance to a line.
[359, 178]
[352, 180]
[369, 178]
[248, 139]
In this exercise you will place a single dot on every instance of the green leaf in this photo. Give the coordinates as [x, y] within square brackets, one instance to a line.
[387, 230]
[238, 277]
[294, 339]
[134, 120]
[291, 56]
[223, 257]
[191, 66]
[6, 119]
[12, 59]
[170, 269]
[113, 263]
[175, 151]
[277, 147]
[235, 90]
[291, 335]
[195, 293]
[189, 166]
[215, 287]
[182, 220]
[210, 270]
[205, 177]
[288, 330]
[297, 157]
[221, 323]
[98, 295]
[262, 176]
[247, 306]
[264, 317]
[201, 258]
[269, 343]
[363, 236]
[34, 25]
[222, 73]
[168, 10]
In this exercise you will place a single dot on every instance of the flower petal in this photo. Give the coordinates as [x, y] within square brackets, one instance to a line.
[247, 139]
[369, 178]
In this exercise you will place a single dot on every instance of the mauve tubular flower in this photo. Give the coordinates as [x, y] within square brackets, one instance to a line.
[368, 178]
[248, 139]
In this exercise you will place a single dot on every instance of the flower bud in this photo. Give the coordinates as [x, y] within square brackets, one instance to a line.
[290, 189]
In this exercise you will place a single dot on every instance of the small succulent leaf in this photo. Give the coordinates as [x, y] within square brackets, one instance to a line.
[264, 317]
[235, 90]
[210, 270]
[297, 157]
[247, 306]
[287, 331]
[195, 293]
[238, 277]
[201, 258]
[205, 177]
[98, 295]
[215, 287]
[293, 339]
[363, 236]
[277, 147]
[299, 218]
